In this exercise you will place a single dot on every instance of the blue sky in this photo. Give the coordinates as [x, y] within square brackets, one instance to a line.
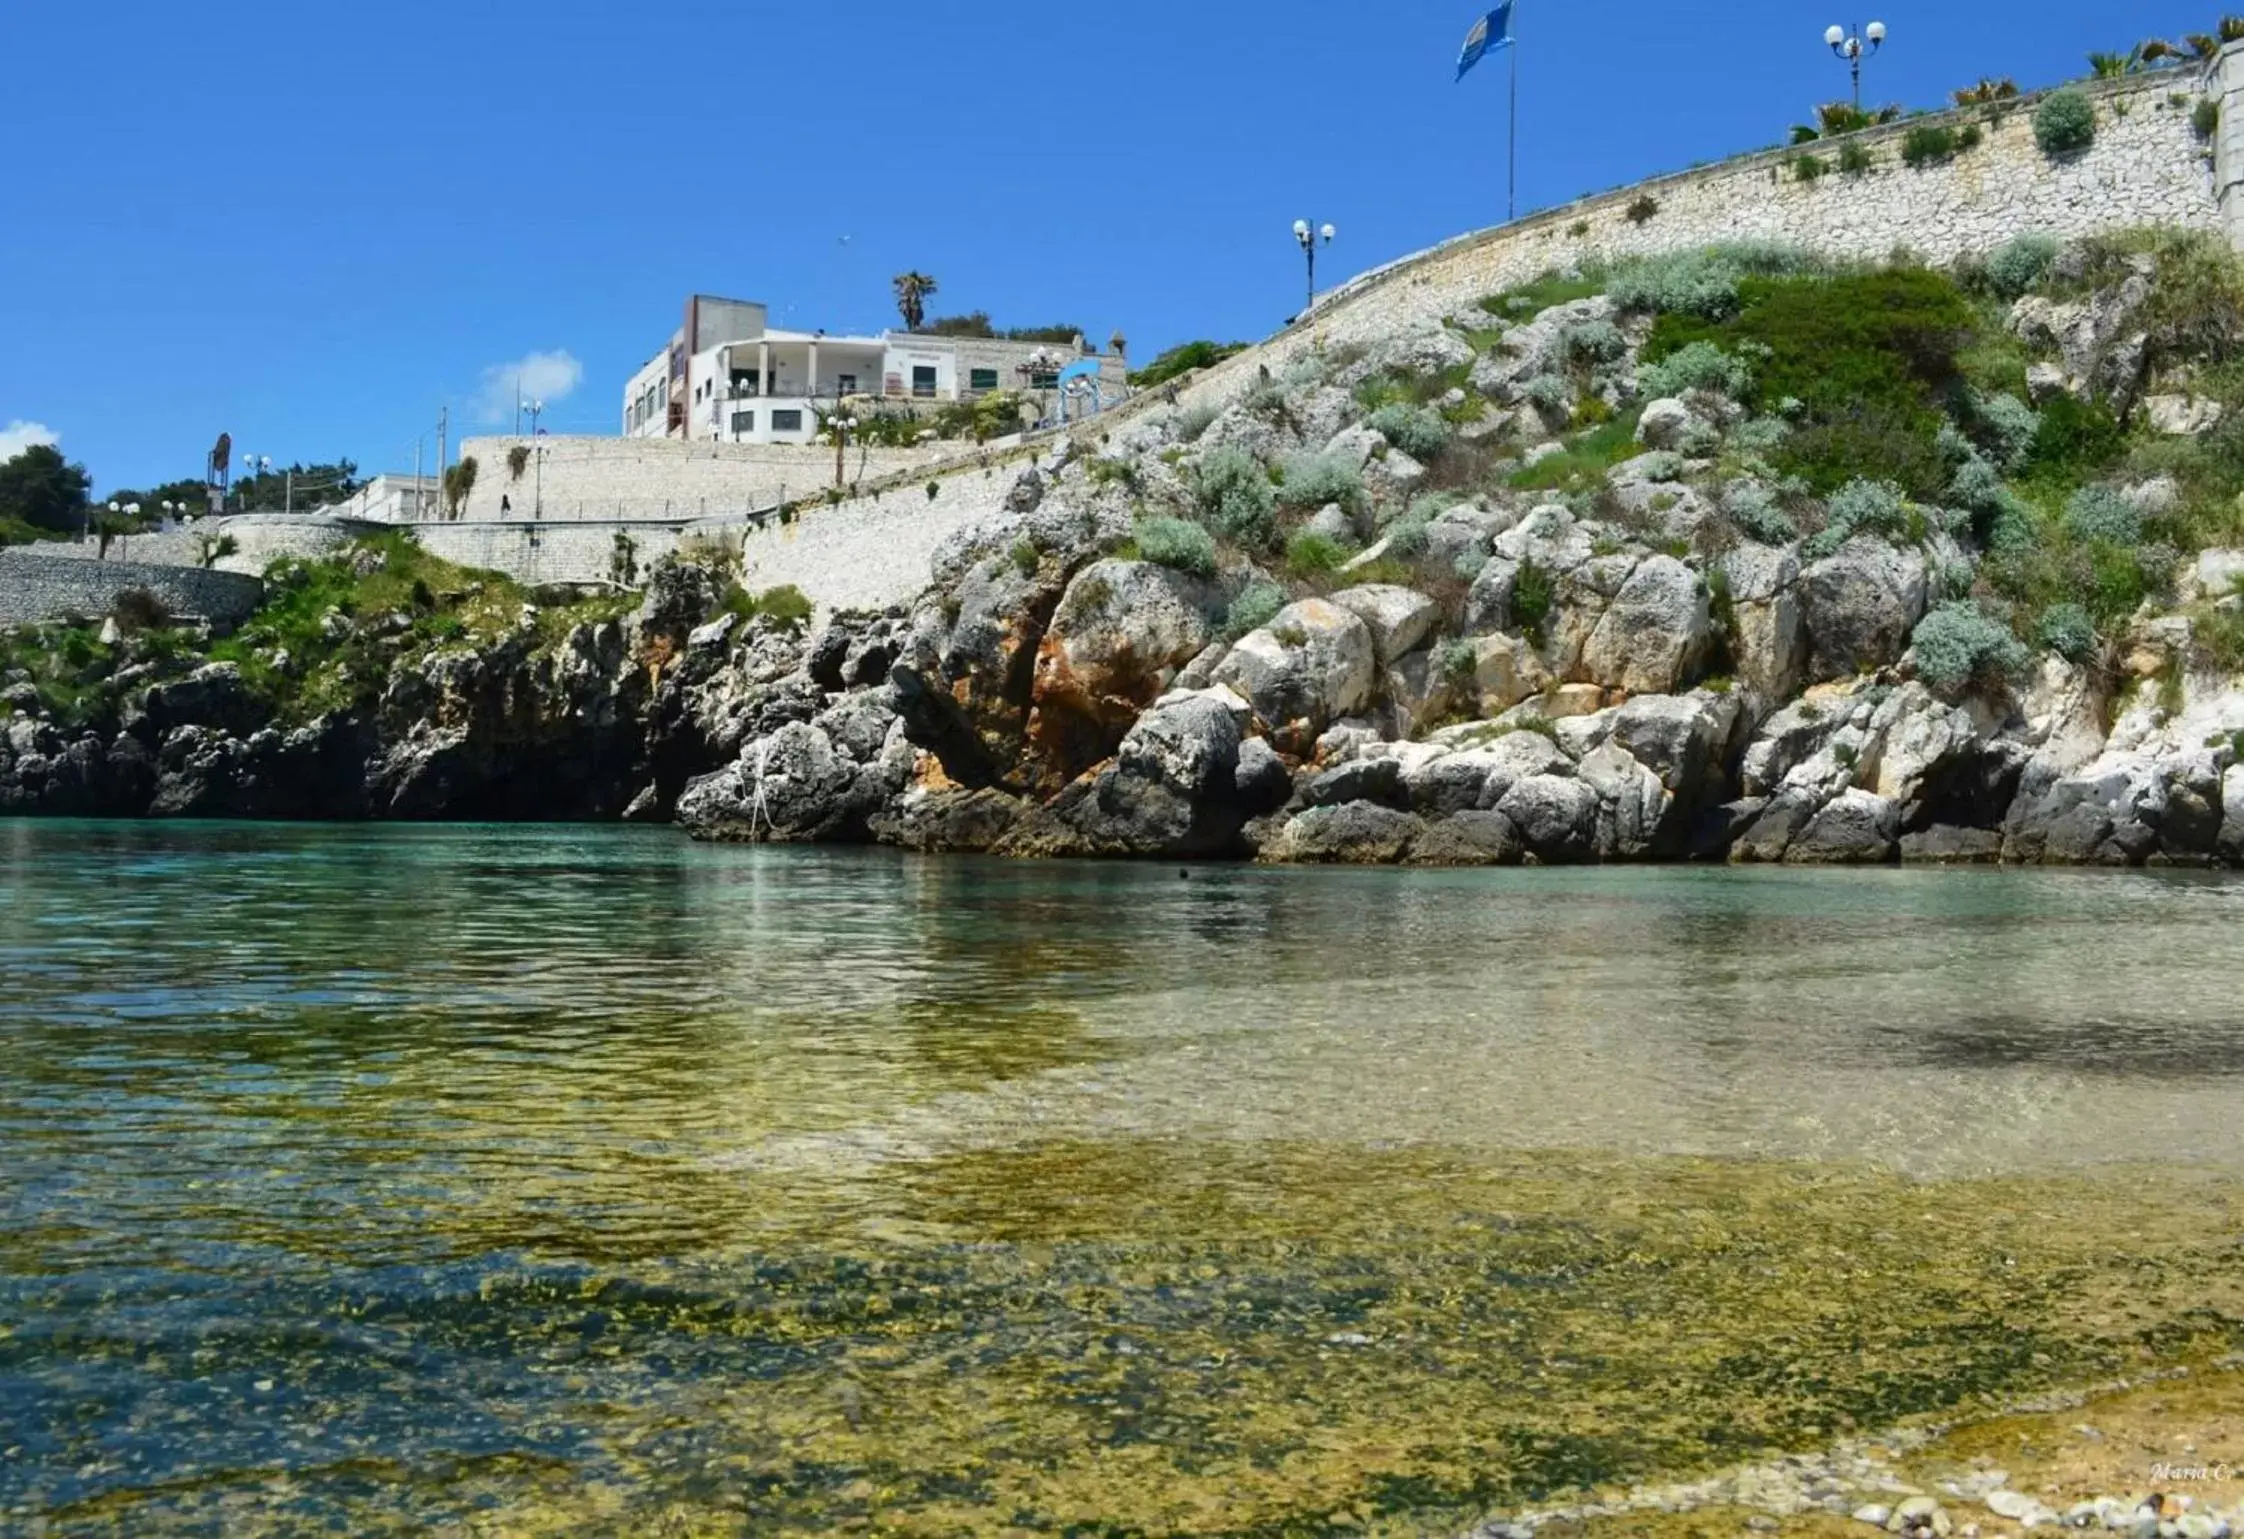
[314, 225]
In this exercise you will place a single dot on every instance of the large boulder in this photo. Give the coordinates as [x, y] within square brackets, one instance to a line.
[1855, 827]
[1356, 834]
[795, 786]
[1172, 790]
[1480, 838]
[1859, 606]
[1766, 633]
[213, 696]
[1114, 644]
[1400, 619]
[1654, 633]
[1311, 665]
[1556, 817]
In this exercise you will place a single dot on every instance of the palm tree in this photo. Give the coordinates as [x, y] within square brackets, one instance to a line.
[912, 292]
[2110, 66]
[2232, 29]
[2202, 45]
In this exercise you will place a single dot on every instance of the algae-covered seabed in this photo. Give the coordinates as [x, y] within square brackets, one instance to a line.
[521, 1182]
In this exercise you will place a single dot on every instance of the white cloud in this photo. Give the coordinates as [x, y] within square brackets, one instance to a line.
[20, 435]
[548, 377]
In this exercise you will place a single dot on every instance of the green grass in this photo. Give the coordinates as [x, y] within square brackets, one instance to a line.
[1524, 303]
[1585, 460]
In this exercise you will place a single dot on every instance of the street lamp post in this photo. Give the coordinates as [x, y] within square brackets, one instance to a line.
[127, 510]
[1309, 236]
[535, 409]
[255, 466]
[1854, 48]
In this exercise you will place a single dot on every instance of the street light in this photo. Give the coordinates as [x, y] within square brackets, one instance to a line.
[1854, 49]
[1308, 236]
[534, 408]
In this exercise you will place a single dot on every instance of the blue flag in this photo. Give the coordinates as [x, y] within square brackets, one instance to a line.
[1490, 33]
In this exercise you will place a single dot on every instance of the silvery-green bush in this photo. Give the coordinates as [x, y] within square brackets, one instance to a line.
[1592, 341]
[1702, 283]
[1178, 543]
[2099, 513]
[1257, 605]
[1695, 366]
[2067, 630]
[1753, 507]
[1236, 497]
[1312, 480]
[1959, 644]
[1548, 392]
[2013, 269]
[2011, 425]
[1415, 430]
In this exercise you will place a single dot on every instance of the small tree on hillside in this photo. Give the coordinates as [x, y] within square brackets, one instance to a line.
[459, 482]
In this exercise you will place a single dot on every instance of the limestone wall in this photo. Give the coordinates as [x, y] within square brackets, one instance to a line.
[2147, 166]
[871, 552]
[664, 480]
[37, 586]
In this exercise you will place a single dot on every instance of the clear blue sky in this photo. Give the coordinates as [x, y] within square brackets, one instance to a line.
[314, 225]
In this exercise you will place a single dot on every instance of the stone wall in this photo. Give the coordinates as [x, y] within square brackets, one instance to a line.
[38, 586]
[664, 480]
[259, 540]
[2147, 166]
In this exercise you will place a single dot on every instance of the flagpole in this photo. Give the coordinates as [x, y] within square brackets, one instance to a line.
[1511, 211]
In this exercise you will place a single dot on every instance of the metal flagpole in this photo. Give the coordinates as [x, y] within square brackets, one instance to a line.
[1511, 209]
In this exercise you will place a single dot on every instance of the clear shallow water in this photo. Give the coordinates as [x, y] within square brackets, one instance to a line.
[554, 1179]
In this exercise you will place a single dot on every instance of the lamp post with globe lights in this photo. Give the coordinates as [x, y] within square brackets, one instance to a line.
[1854, 48]
[116, 510]
[1309, 237]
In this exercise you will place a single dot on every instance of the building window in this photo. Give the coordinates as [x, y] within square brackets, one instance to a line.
[786, 422]
[845, 384]
[982, 379]
[747, 382]
[923, 380]
[744, 422]
[1040, 380]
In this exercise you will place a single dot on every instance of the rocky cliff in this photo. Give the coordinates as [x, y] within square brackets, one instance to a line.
[1732, 555]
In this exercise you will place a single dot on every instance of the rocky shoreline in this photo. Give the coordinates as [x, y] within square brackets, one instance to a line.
[1525, 585]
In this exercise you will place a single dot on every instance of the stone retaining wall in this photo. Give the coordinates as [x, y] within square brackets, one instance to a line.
[38, 586]
[2148, 166]
[663, 480]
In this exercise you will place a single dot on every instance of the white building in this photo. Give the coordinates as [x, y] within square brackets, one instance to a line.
[729, 377]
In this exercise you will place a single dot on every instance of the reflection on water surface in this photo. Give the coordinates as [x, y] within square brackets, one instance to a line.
[559, 1178]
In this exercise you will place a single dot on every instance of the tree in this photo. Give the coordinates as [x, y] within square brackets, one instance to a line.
[1183, 359]
[2110, 66]
[298, 488]
[459, 481]
[40, 488]
[913, 290]
[1988, 90]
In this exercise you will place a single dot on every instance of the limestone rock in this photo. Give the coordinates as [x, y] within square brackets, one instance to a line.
[1556, 817]
[1357, 833]
[1400, 619]
[1859, 607]
[1313, 664]
[1468, 839]
[1654, 633]
[1116, 640]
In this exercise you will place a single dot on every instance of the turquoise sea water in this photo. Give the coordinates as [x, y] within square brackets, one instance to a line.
[552, 1180]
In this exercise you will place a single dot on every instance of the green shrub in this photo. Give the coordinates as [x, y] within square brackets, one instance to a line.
[1314, 555]
[1236, 497]
[1928, 144]
[2099, 513]
[1703, 283]
[1595, 341]
[1809, 168]
[1556, 287]
[1644, 210]
[1178, 543]
[1855, 158]
[1457, 661]
[2075, 441]
[2065, 124]
[1586, 459]
[1256, 606]
[1533, 593]
[1959, 644]
[2205, 117]
[1312, 480]
[2067, 630]
[1414, 430]
[2014, 268]
[1755, 510]
[1696, 366]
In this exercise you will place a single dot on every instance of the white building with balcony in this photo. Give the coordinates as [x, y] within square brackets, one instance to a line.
[729, 377]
